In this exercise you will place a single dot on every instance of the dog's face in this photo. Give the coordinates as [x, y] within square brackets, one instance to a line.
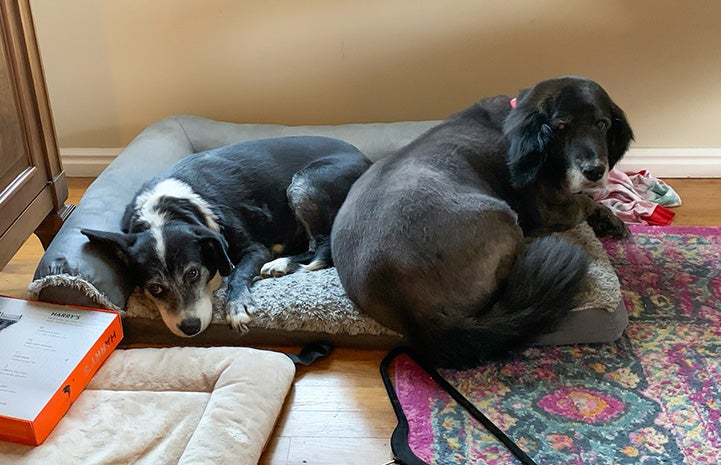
[566, 132]
[178, 266]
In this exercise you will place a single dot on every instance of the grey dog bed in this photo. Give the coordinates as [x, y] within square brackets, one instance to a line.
[296, 309]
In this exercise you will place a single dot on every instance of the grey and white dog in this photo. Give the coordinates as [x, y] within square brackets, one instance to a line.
[432, 241]
[228, 212]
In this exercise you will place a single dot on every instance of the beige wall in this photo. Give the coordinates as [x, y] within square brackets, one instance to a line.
[113, 67]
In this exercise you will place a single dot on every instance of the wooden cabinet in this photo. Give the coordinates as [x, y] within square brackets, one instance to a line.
[33, 187]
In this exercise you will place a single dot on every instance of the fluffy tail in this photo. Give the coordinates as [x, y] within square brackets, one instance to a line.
[537, 294]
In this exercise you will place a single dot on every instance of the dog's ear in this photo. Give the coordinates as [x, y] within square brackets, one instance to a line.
[619, 135]
[215, 250]
[528, 133]
[112, 244]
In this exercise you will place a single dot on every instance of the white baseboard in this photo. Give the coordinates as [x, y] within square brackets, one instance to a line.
[87, 162]
[662, 163]
[674, 163]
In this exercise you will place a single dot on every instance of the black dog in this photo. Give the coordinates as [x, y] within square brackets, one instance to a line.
[226, 212]
[431, 241]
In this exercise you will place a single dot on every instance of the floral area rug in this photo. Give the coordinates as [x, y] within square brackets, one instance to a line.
[653, 397]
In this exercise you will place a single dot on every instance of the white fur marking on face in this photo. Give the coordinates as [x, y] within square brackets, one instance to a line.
[201, 309]
[146, 204]
[159, 243]
[578, 183]
[170, 319]
[575, 178]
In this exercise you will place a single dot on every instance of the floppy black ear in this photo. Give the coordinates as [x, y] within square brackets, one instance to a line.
[619, 135]
[112, 244]
[215, 250]
[528, 134]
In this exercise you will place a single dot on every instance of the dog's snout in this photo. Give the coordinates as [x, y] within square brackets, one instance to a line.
[190, 326]
[594, 173]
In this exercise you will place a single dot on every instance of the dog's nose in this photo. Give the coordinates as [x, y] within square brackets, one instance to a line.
[190, 326]
[594, 173]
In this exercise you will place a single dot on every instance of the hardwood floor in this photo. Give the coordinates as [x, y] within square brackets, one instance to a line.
[337, 411]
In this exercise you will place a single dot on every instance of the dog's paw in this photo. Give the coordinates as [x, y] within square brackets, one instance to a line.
[613, 227]
[606, 224]
[278, 267]
[239, 313]
[620, 230]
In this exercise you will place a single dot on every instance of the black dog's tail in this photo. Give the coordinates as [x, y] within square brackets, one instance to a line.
[537, 294]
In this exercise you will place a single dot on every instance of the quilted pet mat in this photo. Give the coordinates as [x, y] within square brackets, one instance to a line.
[169, 406]
[653, 397]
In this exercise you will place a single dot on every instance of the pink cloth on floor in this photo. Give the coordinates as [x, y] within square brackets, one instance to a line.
[631, 197]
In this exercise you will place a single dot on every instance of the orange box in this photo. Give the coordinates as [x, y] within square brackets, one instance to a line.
[48, 354]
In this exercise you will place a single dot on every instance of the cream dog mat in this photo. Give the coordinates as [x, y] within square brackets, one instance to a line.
[181, 405]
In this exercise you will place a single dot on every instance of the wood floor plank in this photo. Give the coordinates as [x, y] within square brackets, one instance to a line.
[701, 203]
[276, 451]
[335, 398]
[362, 372]
[336, 424]
[337, 451]
[17, 274]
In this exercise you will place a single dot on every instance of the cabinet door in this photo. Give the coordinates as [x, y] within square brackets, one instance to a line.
[33, 188]
[23, 173]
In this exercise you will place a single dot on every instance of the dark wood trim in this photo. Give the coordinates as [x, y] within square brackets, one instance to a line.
[23, 227]
[52, 224]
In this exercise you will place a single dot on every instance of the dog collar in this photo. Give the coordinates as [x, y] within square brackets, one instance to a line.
[513, 102]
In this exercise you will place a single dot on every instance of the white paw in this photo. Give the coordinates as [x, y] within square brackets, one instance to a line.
[278, 267]
[239, 313]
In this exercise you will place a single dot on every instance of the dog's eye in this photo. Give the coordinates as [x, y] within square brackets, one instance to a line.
[192, 274]
[155, 289]
[602, 125]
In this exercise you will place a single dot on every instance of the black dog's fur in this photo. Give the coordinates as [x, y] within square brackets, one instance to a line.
[226, 212]
[431, 241]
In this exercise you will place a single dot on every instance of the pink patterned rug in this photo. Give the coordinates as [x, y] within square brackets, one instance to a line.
[653, 397]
